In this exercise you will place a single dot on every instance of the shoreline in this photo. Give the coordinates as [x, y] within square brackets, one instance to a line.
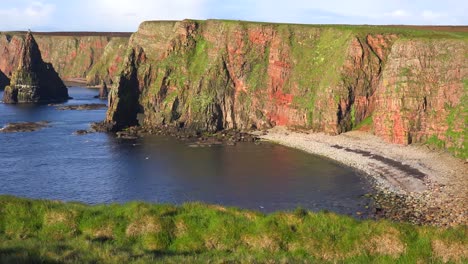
[424, 186]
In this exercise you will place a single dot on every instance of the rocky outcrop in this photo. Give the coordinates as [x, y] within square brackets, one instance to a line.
[214, 75]
[35, 80]
[24, 127]
[123, 101]
[79, 55]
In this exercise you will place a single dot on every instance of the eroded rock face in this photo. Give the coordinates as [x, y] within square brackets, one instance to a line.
[422, 94]
[35, 80]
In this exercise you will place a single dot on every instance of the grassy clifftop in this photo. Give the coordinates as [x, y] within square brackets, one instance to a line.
[403, 30]
[46, 231]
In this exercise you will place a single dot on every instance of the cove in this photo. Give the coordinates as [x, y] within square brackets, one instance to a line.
[54, 163]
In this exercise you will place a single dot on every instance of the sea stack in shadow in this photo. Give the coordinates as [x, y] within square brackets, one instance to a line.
[103, 92]
[34, 81]
[4, 81]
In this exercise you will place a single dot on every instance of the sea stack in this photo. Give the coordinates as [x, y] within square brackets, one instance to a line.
[34, 81]
[4, 81]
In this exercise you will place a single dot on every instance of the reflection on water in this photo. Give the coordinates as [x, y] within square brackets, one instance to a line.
[54, 163]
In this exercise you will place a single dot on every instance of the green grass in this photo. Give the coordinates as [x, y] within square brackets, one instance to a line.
[403, 31]
[37, 231]
[198, 59]
[368, 121]
[436, 142]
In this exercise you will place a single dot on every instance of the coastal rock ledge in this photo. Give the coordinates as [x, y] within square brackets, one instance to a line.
[34, 81]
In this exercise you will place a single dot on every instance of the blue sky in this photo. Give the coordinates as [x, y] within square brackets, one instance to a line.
[125, 15]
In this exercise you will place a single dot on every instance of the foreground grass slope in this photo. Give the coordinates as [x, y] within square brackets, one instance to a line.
[36, 231]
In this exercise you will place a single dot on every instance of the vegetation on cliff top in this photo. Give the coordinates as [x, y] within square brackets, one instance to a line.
[430, 32]
[36, 231]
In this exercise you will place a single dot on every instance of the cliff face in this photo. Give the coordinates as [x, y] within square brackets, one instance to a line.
[109, 64]
[422, 95]
[34, 80]
[73, 55]
[210, 75]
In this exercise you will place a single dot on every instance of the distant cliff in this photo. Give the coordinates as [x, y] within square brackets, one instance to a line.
[406, 85]
[74, 55]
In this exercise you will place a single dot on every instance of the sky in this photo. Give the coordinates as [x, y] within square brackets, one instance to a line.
[126, 15]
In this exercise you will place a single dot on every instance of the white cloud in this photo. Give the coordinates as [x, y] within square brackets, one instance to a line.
[33, 14]
[39, 10]
[430, 15]
[127, 15]
[398, 13]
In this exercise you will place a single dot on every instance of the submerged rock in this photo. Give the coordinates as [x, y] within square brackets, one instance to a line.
[82, 107]
[101, 127]
[34, 81]
[24, 127]
[82, 132]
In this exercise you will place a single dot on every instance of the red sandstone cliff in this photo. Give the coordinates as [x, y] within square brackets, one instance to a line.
[406, 86]
[73, 55]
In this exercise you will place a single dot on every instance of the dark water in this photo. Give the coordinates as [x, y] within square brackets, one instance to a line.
[54, 163]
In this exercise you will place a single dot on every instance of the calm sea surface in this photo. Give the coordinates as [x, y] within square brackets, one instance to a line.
[53, 163]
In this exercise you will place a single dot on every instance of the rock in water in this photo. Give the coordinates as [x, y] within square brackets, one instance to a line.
[103, 92]
[24, 127]
[35, 80]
